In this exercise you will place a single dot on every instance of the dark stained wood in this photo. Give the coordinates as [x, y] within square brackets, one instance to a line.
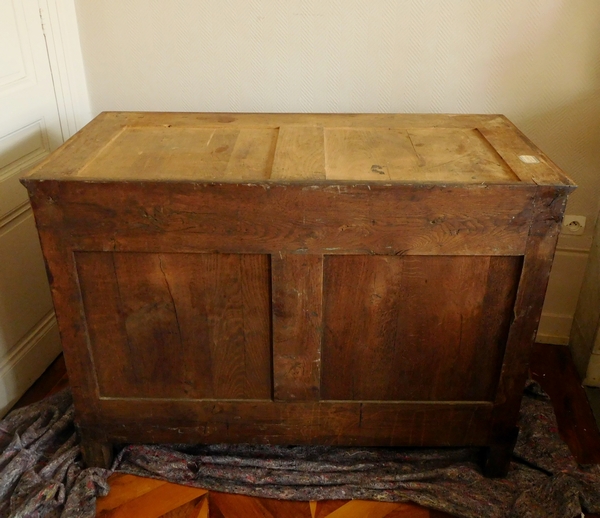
[320, 217]
[415, 328]
[178, 325]
[177, 265]
[95, 453]
[297, 326]
[286, 422]
[553, 368]
[550, 204]
[68, 305]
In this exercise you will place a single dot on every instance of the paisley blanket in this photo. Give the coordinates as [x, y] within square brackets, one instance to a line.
[42, 474]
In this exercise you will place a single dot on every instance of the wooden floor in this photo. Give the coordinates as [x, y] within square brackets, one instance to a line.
[131, 496]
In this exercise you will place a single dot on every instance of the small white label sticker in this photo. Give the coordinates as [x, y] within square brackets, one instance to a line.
[529, 159]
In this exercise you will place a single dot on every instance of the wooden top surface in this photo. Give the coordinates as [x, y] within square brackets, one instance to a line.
[307, 148]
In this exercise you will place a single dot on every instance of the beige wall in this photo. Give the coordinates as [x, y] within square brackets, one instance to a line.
[537, 61]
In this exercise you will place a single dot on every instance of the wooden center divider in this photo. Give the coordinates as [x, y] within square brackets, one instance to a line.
[297, 326]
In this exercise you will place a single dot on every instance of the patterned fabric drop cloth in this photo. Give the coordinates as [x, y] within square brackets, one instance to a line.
[42, 474]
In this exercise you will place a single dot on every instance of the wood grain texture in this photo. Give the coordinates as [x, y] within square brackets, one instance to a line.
[123, 488]
[510, 144]
[215, 504]
[301, 135]
[173, 276]
[252, 156]
[537, 263]
[415, 328]
[336, 423]
[316, 219]
[178, 325]
[413, 155]
[297, 326]
[95, 453]
[300, 154]
[154, 503]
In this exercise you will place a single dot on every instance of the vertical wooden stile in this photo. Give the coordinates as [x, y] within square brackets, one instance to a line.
[537, 262]
[297, 326]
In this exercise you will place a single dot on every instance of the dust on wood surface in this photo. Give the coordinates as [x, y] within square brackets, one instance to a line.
[390, 148]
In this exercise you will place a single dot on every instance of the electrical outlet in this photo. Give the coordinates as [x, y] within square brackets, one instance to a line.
[573, 225]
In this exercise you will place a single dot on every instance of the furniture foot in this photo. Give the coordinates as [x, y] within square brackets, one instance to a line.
[96, 454]
[498, 455]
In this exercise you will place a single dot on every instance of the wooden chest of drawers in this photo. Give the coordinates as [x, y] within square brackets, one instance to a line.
[298, 279]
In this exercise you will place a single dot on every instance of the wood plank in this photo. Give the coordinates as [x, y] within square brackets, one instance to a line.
[155, 502]
[326, 507]
[66, 297]
[223, 308]
[297, 326]
[88, 145]
[367, 154]
[537, 263]
[238, 505]
[269, 120]
[414, 511]
[192, 509]
[115, 365]
[148, 313]
[382, 315]
[413, 155]
[162, 152]
[252, 156]
[266, 422]
[511, 145]
[287, 508]
[178, 325]
[88, 142]
[500, 293]
[82, 147]
[299, 154]
[123, 488]
[320, 219]
[456, 155]
[204, 510]
[364, 508]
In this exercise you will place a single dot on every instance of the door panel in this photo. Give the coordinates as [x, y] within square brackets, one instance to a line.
[29, 131]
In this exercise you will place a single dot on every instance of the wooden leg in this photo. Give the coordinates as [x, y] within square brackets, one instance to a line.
[498, 455]
[96, 454]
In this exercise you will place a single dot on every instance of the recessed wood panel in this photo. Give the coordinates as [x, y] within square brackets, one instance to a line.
[413, 155]
[415, 328]
[202, 153]
[178, 325]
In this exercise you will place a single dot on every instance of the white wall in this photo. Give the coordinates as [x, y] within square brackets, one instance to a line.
[537, 61]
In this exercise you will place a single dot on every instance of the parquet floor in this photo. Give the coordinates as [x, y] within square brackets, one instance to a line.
[135, 497]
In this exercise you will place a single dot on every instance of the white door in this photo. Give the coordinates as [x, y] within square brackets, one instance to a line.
[29, 130]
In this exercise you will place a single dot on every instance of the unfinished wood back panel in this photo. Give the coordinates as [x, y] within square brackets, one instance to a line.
[178, 325]
[421, 328]
[299, 152]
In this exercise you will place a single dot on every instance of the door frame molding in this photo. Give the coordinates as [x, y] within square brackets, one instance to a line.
[61, 31]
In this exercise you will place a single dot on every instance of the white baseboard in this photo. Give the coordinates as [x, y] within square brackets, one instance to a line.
[27, 360]
[554, 329]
